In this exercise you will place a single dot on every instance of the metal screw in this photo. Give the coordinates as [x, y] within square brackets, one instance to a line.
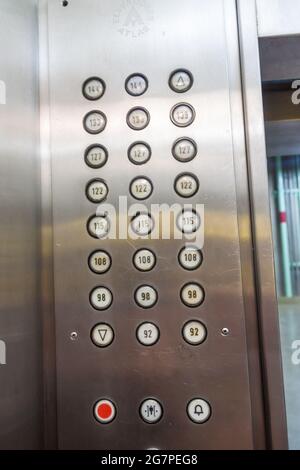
[74, 336]
[225, 332]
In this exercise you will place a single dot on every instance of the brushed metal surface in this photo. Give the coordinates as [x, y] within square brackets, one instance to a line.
[20, 320]
[87, 39]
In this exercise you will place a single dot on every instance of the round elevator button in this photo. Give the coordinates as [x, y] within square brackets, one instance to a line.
[98, 226]
[138, 118]
[144, 260]
[142, 224]
[96, 156]
[101, 298]
[100, 262]
[151, 411]
[186, 185]
[190, 258]
[182, 114]
[199, 410]
[181, 80]
[188, 221]
[97, 190]
[136, 84]
[141, 188]
[94, 122]
[102, 335]
[139, 153]
[93, 88]
[194, 332]
[148, 334]
[192, 295]
[104, 411]
[146, 296]
[184, 150]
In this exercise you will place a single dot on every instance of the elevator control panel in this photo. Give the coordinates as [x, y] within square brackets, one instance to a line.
[150, 328]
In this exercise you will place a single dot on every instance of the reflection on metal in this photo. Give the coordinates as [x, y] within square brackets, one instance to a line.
[278, 17]
[285, 193]
[288, 292]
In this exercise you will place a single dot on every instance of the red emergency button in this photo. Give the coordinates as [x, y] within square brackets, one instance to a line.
[104, 411]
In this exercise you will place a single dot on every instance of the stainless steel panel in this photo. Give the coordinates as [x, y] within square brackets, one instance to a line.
[278, 17]
[261, 222]
[87, 38]
[20, 320]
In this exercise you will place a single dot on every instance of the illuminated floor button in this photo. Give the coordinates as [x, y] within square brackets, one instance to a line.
[101, 298]
[148, 334]
[194, 332]
[102, 335]
[181, 80]
[93, 88]
[136, 84]
[138, 118]
[98, 226]
[141, 188]
[142, 224]
[145, 296]
[97, 190]
[190, 258]
[186, 185]
[139, 153]
[94, 122]
[199, 410]
[182, 114]
[99, 262]
[96, 156]
[192, 295]
[184, 150]
[104, 411]
[144, 260]
[188, 221]
[151, 411]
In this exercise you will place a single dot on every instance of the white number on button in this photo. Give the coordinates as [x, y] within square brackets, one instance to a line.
[139, 153]
[194, 333]
[138, 118]
[102, 335]
[186, 185]
[97, 191]
[136, 84]
[93, 89]
[147, 334]
[101, 298]
[184, 150]
[182, 114]
[190, 258]
[188, 221]
[99, 262]
[199, 410]
[98, 226]
[192, 295]
[142, 225]
[141, 188]
[96, 156]
[94, 122]
[145, 296]
[144, 260]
